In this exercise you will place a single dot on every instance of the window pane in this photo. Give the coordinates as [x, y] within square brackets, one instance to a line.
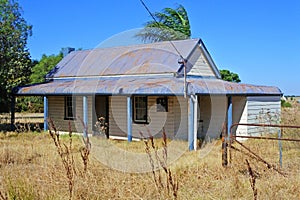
[140, 109]
[69, 107]
[162, 104]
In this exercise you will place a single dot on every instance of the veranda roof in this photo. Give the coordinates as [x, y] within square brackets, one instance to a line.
[143, 86]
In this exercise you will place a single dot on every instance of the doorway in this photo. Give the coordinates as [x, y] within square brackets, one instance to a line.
[101, 110]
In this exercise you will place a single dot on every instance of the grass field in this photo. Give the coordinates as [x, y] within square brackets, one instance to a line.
[31, 168]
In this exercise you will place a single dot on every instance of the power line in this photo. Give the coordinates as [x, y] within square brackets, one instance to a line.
[160, 27]
[183, 60]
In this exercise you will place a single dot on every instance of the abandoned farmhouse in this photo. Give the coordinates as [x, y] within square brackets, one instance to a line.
[150, 87]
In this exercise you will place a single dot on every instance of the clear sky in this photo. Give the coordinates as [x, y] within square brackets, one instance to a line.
[258, 39]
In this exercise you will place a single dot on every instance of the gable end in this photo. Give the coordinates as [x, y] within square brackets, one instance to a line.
[200, 63]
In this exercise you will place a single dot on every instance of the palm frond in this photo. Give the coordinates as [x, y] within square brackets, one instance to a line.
[170, 24]
[157, 34]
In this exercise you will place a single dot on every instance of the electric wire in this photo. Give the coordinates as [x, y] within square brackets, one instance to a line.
[183, 60]
[152, 16]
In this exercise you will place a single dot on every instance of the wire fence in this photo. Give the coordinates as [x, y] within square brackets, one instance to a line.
[271, 148]
[23, 122]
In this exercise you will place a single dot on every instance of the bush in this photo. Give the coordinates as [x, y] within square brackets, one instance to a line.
[30, 104]
[285, 104]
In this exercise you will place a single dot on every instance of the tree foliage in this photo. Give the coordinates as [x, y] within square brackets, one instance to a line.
[39, 70]
[227, 75]
[170, 24]
[15, 63]
[173, 24]
[43, 67]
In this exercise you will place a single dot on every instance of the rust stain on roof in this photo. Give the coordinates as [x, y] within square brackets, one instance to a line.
[145, 85]
[140, 61]
[120, 60]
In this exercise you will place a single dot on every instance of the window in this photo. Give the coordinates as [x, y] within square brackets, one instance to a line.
[140, 109]
[70, 107]
[162, 104]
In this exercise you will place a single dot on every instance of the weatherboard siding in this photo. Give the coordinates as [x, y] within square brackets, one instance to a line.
[180, 117]
[156, 120]
[175, 121]
[117, 116]
[263, 110]
[256, 110]
[218, 116]
[56, 110]
[240, 114]
[200, 66]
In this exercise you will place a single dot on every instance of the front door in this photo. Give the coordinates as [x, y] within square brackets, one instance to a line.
[101, 109]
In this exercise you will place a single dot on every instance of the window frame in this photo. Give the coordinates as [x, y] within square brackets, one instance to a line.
[69, 108]
[140, 121]
[162, 104]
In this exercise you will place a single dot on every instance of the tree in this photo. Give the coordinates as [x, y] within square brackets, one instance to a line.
[229, 76]
[15, 60]
[170, 24]
[39, 70]
[43, 67]
[173, 24]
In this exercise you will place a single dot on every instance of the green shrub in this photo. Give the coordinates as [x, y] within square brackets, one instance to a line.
[30, 104]
[285, 104]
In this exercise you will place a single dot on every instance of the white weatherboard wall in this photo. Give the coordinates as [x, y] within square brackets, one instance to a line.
[200, 66]
[256, 110]
[239, 114]
[263, 110]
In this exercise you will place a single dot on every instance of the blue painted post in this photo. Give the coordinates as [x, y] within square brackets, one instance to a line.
[280, 147]
[229, 117]
[85, 115]
[195, 121]
[45, 113]
[191, 123]
[129, 119]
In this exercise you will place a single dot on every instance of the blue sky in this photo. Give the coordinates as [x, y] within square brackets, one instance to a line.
[258, 39]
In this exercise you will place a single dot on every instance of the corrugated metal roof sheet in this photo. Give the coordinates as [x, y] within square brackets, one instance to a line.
[144, 86]
[97, 72]
[124, 60]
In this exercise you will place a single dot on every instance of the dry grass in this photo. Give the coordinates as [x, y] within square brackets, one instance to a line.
[164, 180]
[30, 168]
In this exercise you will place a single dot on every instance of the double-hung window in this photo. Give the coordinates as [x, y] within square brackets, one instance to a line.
[70, 103]
[140, 109]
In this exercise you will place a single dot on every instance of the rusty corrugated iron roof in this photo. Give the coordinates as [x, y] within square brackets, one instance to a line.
[144, 86]
[153, 58]
[148, 69]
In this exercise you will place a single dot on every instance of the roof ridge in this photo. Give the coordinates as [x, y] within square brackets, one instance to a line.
[138, 45]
